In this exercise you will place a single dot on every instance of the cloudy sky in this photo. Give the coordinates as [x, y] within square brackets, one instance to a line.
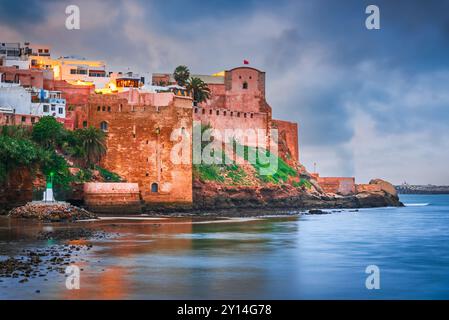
[370, 103]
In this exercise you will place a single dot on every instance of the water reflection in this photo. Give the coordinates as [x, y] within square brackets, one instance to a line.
[167, 258]
[307, 257]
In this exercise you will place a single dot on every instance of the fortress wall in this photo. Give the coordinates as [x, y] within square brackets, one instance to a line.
[134, 97]
[288, 134]
[139, 145]
[337, 185]
[244, 89]
[221, 119]
[112, 197]
[217, 97]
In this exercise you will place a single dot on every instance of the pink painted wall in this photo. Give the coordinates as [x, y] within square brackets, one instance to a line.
[135, 97]
[238, 98]
[111, 188]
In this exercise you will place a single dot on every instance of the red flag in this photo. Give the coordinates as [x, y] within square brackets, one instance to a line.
[245, 62]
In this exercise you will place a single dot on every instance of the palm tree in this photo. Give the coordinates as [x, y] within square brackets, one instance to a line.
[200, 89]
[92, 143]
[181, 74]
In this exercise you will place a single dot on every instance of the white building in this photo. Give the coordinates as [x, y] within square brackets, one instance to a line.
[16, 100]
[47, 103]
[73, 70]
[12, 55]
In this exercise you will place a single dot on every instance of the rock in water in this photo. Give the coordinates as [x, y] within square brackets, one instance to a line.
[385, 186]
[53, 212]
[317, 211]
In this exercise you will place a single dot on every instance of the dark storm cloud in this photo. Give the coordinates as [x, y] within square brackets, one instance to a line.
[22, 13]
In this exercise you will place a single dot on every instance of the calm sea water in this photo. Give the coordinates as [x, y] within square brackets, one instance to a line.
[305, 257]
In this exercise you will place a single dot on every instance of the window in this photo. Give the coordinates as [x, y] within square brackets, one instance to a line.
[224, 113]
[97, 73]
[104, 126]
[78, 71]
[154, 188]
[218, 112]
[109, 109]
[238, 114]
[252, 115]
[244, 114]
[210, 111]
[46, 109]
[84, 124]
[232, 113]
[104, 108]
[53, 107]
[61, 111]
[204, 111]
[245, 85]
[196, 110]
[24, 119]
[33, 119]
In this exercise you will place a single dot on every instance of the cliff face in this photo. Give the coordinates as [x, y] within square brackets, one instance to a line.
[16, 190]
[217, 197]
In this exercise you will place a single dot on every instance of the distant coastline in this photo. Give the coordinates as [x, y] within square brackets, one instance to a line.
[422, 189]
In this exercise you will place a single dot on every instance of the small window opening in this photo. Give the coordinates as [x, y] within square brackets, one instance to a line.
[104, 126]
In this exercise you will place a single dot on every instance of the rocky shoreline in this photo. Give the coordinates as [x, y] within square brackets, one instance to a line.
[43, 262]
[51, 212]
[215, 199]
[211, 199]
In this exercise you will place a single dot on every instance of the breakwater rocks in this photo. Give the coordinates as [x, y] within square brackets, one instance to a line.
[51, 212]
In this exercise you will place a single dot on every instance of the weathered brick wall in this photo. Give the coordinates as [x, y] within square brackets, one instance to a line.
[112, 197]
[135, 97]
[139, 145]
[247, 98]
[75, 95]
[221, 119]
[233, 106]
[338, 185]
[26, 77]
[288, 135]
[217, 97]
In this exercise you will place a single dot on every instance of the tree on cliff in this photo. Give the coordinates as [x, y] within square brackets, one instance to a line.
[92, 145]
[47, 132]
[200, 89]
[181, 75]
